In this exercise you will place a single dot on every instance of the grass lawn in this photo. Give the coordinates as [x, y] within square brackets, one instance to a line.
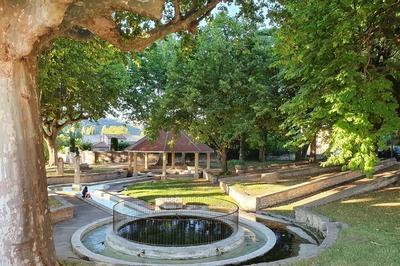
[176, 188]
[374, 234]
[258, 187]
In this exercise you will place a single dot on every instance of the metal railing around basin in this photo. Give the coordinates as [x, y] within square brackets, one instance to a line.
[177, 221]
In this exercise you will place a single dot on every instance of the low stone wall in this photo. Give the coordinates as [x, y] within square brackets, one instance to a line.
[306, 171]
[88, 157]
[304, 189]
[240, 169]
[226, 182]
[313, 186]
[246, 202]
[253, 203]
[88, 178]
[63, 212]
[312, 219]
[102, 157]
[376, 184]
[211, 175]
[111, 157]
[329, 230]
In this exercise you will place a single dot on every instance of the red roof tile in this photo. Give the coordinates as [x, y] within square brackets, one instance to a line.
[183, 144]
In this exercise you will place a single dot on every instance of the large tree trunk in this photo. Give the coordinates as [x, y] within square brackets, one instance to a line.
[224, 162]
[25, 228]
[301, 153]
[261, 154]
[241, 149]
[51, 147]
[313, 150]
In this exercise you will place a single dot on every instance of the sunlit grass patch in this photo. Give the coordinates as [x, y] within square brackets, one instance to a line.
[373, 237]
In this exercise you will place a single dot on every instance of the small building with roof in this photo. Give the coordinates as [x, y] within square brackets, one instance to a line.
[168, 143]
[100, 146]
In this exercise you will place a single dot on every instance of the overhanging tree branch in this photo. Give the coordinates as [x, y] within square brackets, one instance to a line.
[105, 28]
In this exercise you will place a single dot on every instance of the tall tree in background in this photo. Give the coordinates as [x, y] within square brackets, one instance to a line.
[211, 90]
[149, 72]
[344, 57]
[259, 65]
[78, 80]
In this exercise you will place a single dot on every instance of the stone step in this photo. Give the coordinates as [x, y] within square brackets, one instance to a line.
[343, 190]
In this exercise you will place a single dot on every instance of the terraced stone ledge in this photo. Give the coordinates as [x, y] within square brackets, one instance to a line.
[254, 203]
[63, 212]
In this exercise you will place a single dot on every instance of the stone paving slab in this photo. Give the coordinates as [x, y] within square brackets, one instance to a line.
[62, 232]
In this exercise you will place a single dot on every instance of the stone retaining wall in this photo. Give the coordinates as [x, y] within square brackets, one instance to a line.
[306, 188]
[306, 171]
[253, 203]
[63, 212]
[122, 157]
[111, 157]
[241, 169]
[211, 175]
[88, 178]
[360, 189]
[329, 230]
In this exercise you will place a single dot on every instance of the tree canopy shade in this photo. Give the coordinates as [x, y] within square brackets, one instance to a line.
[26, 27]
[212, 90]
[343, 58]
[78, 80]
[149, 72]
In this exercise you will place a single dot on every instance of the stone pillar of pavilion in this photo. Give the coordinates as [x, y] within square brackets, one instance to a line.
[183, 158]
[77, 174]
[172, 160]
[146, 159]
[135, 171]
[164, 165]
[208, 161]
[196, 165]
[130, 170]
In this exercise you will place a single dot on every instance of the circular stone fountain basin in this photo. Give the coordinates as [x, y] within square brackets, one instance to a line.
[175, 231]
[176, 237]
[249, 241]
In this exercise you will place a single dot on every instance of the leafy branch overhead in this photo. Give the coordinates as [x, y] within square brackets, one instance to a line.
[342, 58]
[79, 81]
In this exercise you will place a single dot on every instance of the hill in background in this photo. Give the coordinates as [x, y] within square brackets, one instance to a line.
[98, 125]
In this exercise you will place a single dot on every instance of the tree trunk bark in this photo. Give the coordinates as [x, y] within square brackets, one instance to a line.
[313, 150]
[241, 148]
[301, 153]
[51, 146]
[25, 229]
[224, 161]
[261, 154]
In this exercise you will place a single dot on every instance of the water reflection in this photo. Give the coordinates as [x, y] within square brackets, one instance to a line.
[175, 230]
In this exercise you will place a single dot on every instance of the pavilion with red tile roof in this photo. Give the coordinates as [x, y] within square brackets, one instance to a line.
[168, 143]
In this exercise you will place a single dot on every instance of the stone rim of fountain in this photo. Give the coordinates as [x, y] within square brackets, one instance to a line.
[81, 250]
[123, 245]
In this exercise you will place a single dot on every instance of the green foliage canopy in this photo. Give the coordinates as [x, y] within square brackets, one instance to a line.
[213, 85]
[80, 80]
[343, 58]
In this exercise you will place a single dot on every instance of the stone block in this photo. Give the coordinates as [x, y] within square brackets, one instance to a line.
[169, 203]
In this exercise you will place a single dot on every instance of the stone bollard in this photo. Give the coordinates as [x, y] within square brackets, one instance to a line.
[77, 174]
[60, 166]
